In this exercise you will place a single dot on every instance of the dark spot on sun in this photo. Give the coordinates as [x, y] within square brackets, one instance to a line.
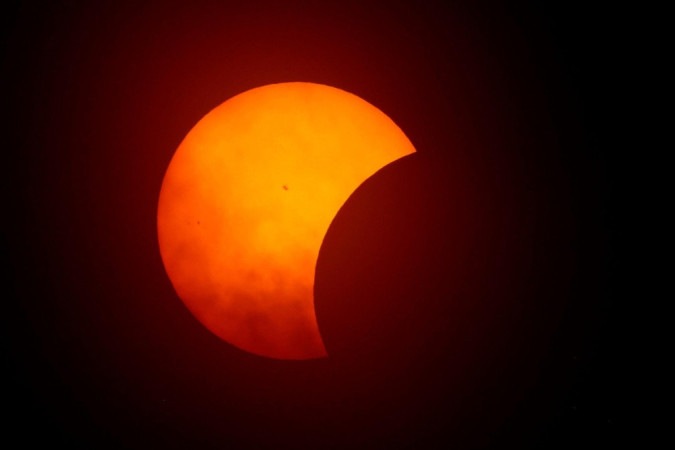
[198, 222]
[285, 187]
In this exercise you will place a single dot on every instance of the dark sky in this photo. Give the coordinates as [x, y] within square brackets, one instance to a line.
[469, 294]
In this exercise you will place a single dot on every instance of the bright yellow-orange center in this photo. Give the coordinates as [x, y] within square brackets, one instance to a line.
[247, 199]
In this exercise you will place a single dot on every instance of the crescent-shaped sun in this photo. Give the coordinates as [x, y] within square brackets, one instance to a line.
[247, 199]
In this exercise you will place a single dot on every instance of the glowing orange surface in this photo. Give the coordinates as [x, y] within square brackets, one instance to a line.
[247, 199]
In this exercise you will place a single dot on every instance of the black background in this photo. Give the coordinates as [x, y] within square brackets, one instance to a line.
[469, 294]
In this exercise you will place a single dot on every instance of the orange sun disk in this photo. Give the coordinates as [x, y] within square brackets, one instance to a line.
[247, 199]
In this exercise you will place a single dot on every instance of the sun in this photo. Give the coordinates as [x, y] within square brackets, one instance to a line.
[247, 199]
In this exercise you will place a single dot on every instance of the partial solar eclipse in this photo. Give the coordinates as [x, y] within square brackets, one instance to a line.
[247, 199]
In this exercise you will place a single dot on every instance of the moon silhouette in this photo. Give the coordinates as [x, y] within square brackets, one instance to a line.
[246, 202]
